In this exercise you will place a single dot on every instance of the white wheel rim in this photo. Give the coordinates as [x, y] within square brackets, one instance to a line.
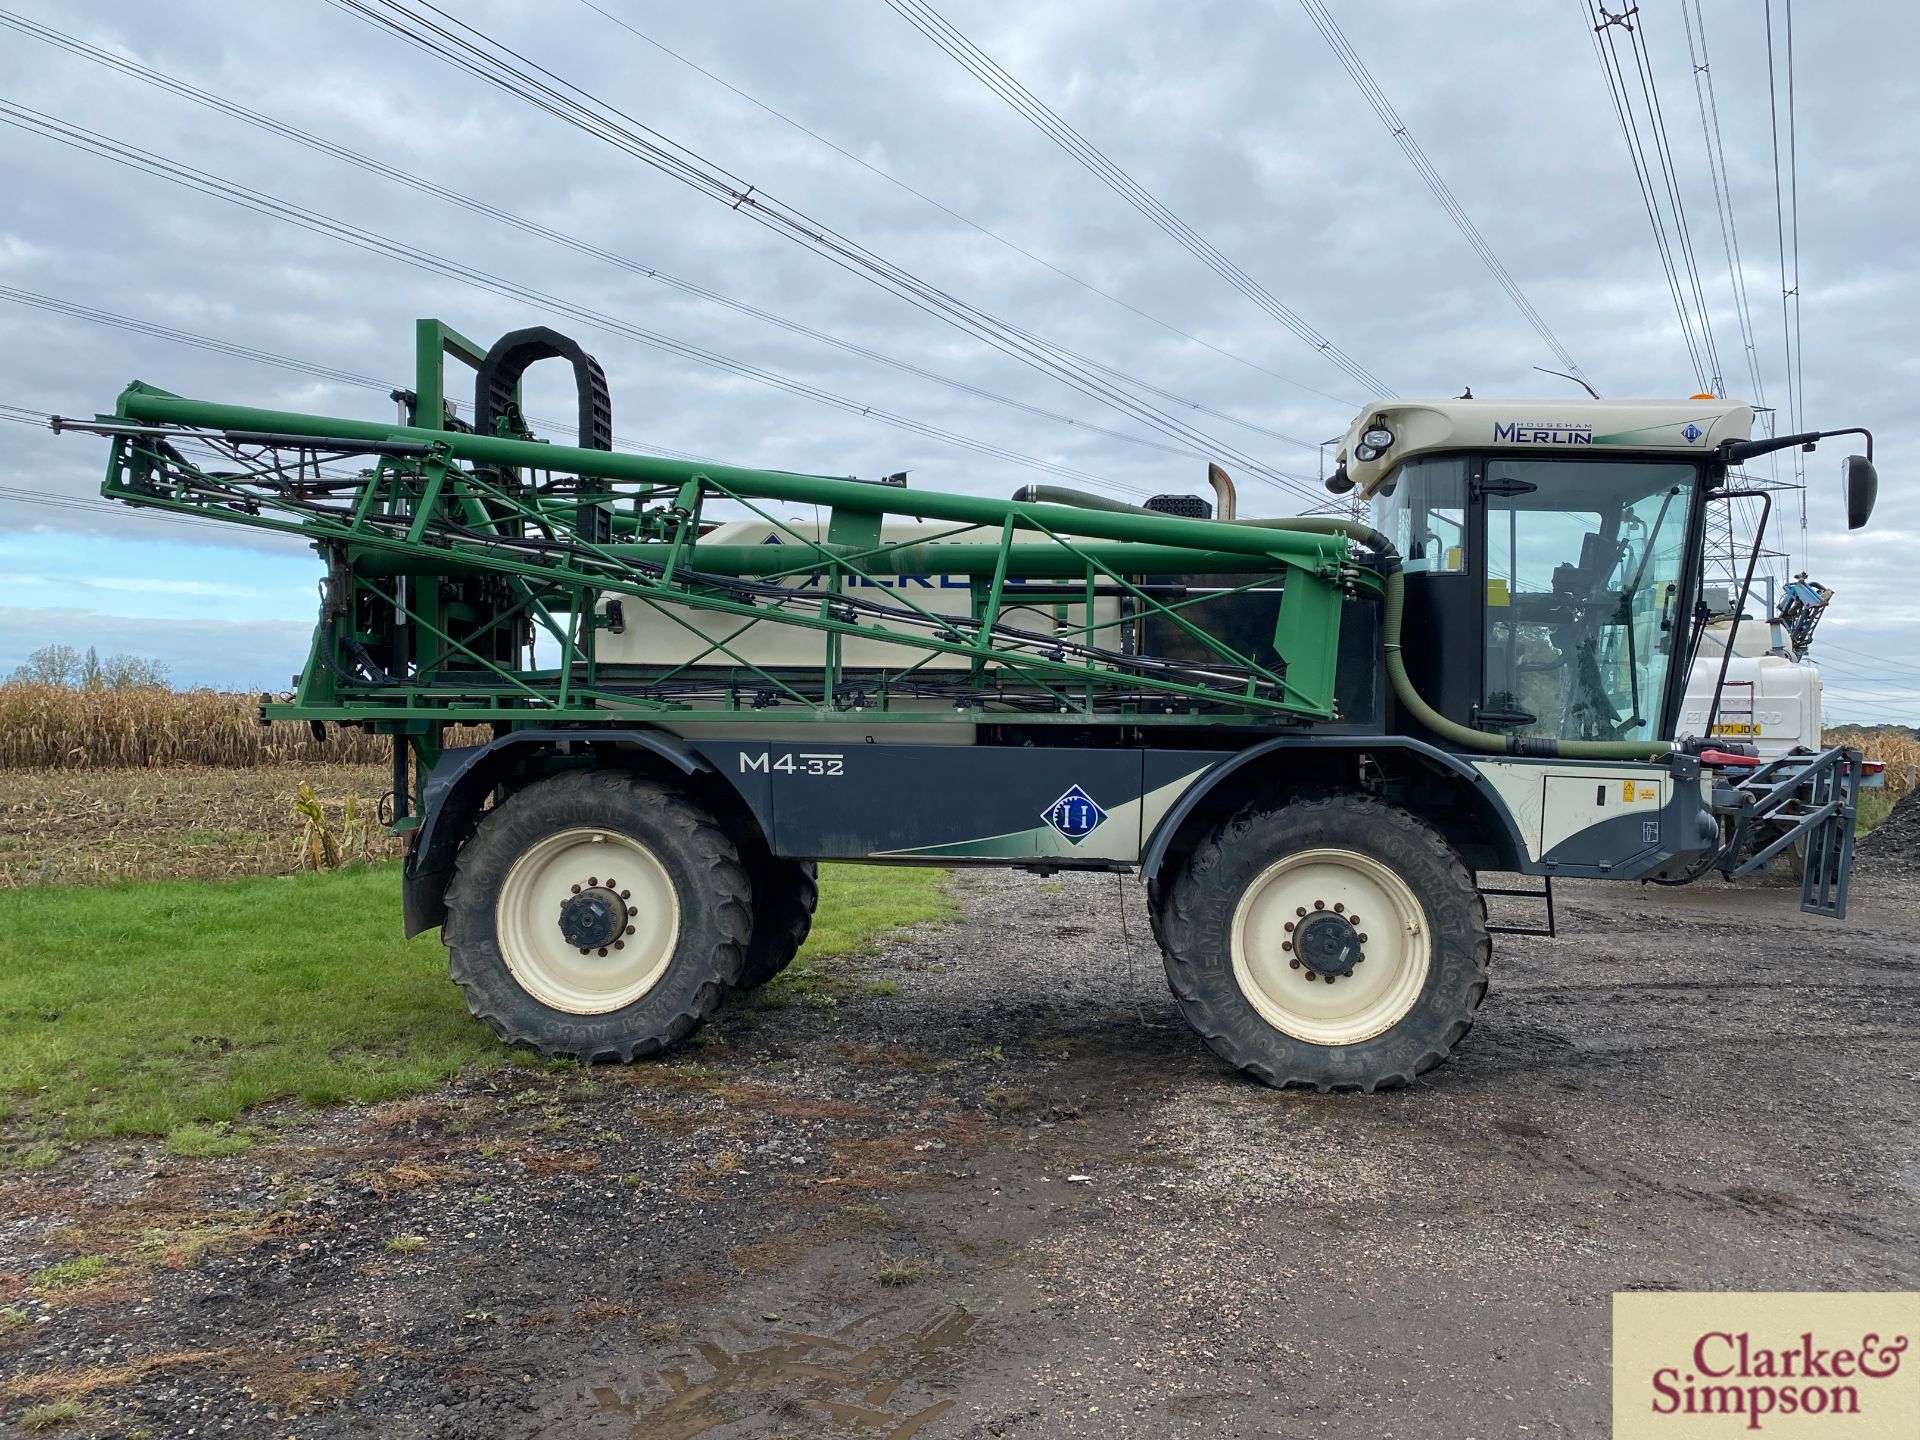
[1383, 984]
[527, 920]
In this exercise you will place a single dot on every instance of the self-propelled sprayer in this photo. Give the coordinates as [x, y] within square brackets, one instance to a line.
[1310, 737]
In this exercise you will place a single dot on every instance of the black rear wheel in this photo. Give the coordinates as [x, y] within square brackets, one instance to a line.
[785, 893]
[597, 915]
[1334, 942]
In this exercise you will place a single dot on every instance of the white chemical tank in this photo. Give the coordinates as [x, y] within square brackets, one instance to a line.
[1770, 699]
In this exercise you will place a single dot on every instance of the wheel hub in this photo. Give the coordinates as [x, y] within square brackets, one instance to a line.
[593, 918]
[1328, 944]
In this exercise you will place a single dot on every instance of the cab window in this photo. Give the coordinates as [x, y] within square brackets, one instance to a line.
[1422, 508]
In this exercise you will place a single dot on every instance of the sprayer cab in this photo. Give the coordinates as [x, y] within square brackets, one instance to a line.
[1553, 550]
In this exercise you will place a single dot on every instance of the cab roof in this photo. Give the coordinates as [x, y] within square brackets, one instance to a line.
[1545, 427]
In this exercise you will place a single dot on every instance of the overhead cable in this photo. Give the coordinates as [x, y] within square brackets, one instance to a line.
[1646, 160]
[1376, 99]
[971, 58]
[467, 48]
[258, 201]
[952, 214]
[222, 105]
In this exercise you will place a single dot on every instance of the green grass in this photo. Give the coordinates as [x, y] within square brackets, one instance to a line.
[200, 1142]
[169, 1008]
[53, 1415]
[1873, 808]
[75, 1274]
[861, 906]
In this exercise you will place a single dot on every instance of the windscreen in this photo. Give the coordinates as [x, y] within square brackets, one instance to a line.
[1584, 612]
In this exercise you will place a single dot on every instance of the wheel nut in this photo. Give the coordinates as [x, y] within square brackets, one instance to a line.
[1289, 927]
[629, 929]
[593, 880]
[626, 894]
[1286, 944]
[1299, 909]
[603, 951]
[619, 944]
[585, 951]
[1339, 908]
[1319, 904]
[1294, 963]
[611, 882]
[576, 889]
[1362, 938]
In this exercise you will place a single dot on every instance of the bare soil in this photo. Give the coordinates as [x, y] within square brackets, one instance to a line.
[990, 1185]
[179, 822]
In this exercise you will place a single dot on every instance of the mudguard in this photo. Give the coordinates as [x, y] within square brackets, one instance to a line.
[460, 784]
[1514, 850]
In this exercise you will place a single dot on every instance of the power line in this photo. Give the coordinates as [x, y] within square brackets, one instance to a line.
[1789, 289]
[1376, 98]
[1722, 191]
[970, 57]
[74, 310]
[155, 330]
[1663, 150]
[471, 50]
[40, 420]
[1722, 536]
[245, 197]
[233, 110]
[953, 214]
[1669, 242]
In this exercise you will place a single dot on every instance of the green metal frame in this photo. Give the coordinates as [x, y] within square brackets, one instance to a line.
[466, 542]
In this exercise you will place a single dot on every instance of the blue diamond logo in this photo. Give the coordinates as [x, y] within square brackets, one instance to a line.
[1074, 815]
[1692, 432]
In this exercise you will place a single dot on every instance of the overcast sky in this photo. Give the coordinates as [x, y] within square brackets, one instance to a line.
[1233, 114]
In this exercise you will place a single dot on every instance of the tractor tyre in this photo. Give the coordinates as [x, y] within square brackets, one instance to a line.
[1156, 902]
[785, 893]
[1334, 942]
[597, 915]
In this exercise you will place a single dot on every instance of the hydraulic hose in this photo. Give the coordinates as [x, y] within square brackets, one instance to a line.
[1066, 495]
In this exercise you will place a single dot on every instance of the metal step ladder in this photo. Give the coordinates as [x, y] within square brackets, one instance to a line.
[1734, 719]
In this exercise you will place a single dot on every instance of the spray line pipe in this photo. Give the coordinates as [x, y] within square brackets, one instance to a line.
[152, 406]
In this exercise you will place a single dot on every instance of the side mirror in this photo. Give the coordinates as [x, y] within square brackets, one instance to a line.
[1863, 488]
[1339, 482]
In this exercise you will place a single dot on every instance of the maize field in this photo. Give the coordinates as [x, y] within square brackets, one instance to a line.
[69, 727]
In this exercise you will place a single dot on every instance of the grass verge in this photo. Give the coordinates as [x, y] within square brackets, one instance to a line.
[170, 1008]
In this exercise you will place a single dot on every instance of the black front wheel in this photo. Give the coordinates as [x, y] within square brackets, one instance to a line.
[1333, 942]
[597, 915]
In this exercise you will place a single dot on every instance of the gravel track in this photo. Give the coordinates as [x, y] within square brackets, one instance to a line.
[987, 1183]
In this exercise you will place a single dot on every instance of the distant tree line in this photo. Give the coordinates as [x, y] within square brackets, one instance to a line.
[64, 665]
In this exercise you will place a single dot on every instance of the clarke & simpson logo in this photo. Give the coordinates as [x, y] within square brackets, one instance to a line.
[1784, 1365]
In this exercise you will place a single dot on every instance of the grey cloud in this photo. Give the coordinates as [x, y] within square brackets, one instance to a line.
[1234, 114]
